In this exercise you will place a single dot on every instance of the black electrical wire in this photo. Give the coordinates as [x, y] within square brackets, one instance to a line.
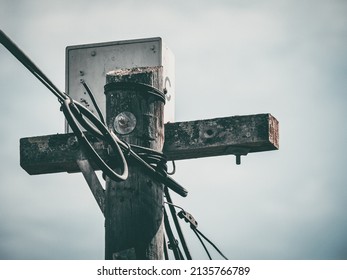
[173, 169]
[25, 60]
[180, 253]
[73, 111]
[139, 87]
[140, 156]
[209, 241]
[193, 225]
[152, 171]
[92, 98]
[172, 240]
[76, 114]
[202, 243]
[166, 253]
[177, 224]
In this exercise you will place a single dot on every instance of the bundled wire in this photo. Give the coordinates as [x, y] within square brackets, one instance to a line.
[173, 243]
[79, 116]
[199, 233]
[177, 224]
[193, 225]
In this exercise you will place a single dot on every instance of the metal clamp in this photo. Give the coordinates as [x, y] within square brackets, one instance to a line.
[188, 218]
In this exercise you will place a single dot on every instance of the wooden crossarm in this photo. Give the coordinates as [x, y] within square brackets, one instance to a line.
[221, 136]
[183, 140]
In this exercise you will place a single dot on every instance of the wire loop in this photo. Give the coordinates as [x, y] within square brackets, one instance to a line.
[74, 113]
[77, 115]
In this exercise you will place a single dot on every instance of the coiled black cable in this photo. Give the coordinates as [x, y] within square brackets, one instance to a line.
[76, 113]
[139, 87]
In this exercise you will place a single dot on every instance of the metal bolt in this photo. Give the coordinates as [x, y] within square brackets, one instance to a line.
[209, 133]
[124, 123]
[72, 142]
[93, 53]
[238, 159]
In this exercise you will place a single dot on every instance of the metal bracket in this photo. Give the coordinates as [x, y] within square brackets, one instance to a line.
[238, 152]
[188, 218]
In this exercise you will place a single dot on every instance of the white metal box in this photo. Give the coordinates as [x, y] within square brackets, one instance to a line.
[91, 62]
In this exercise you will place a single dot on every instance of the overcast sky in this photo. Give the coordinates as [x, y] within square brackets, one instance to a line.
[287, 58]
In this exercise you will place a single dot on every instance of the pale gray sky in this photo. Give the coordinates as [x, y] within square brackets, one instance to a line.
[287, 58]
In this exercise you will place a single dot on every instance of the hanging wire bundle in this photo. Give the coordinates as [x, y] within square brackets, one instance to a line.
[188, 218]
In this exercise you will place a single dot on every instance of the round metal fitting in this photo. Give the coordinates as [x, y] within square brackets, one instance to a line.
[124, 123]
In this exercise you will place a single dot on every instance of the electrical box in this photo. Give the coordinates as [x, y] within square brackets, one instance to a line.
[91, 63]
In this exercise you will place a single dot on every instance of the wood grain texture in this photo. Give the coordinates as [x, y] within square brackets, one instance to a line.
[221, 136]
[183, 140]
[134, 207]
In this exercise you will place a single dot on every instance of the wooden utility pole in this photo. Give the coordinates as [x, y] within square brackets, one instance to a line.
[134, 208]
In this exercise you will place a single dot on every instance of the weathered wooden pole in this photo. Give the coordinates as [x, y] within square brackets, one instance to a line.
[135, 112]
[134, 208]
